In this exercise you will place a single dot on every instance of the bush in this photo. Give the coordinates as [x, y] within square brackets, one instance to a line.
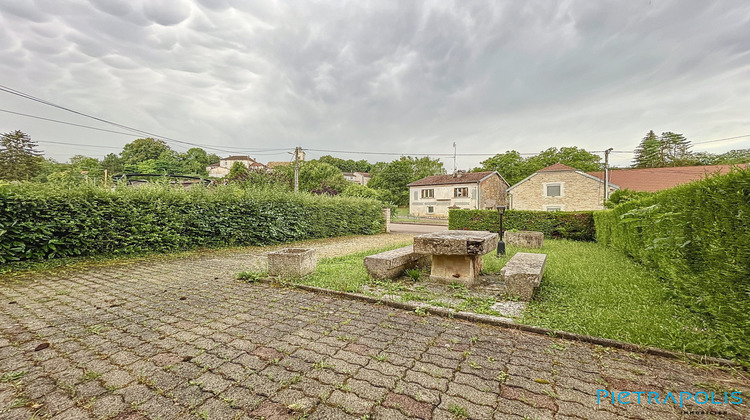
[698, 237]
[39, 222]
[577, 226]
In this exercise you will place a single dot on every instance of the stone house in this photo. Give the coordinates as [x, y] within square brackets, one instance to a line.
[559, 188]
[225, 164]
[361, 178]
[434, 195]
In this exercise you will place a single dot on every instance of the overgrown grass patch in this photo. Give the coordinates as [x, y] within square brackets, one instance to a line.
[346, 274]
[593, 290]
[587, 289]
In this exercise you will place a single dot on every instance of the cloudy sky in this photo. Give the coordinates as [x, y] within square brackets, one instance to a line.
[398, 76]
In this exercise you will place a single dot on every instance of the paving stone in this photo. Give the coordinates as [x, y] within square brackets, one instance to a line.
[408, 406]
[259, 350]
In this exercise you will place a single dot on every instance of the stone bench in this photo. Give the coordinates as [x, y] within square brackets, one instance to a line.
[523, 273]
[391, 264]
[524, 239]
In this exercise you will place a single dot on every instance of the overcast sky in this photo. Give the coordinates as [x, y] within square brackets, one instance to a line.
[397, 76]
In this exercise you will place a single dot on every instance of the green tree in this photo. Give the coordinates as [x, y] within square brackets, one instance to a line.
[237, 172]
[570, 156]
[649, 153]
[511, 165]
[193, 162]
[669, 149]
[19, 159]
[733, 157]
[348, 165]
[313, 174]
[676, 149]
[514, 168]
[112, 163]
[362, 191]
[392, 178]
[141, 150]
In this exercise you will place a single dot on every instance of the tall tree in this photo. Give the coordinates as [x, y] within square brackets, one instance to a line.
[669, 149]
[392, 178]
[677, 149]
[514, 168]
[649, 153]
[112, 163]
[19, 159]
[141, 150]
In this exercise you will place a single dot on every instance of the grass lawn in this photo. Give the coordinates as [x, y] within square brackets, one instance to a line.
[587, 289]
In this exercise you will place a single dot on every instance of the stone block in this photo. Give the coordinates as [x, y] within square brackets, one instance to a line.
[523, 274]
[292, 262]
[524, 239]
[456, 268]
[456, 242]
[391, 264]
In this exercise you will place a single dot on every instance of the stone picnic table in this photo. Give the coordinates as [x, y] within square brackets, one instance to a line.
[456, 254]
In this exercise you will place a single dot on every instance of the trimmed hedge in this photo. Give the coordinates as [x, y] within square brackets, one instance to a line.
[578, 226]
[39, 221]
[698, 237]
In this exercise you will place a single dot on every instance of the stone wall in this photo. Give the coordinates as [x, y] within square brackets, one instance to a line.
[492, 193]
[578, 192]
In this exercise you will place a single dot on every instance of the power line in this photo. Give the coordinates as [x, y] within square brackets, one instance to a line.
[135, 130]
[65, 122]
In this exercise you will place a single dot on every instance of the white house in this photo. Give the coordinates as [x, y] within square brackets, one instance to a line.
[225, 164]
[434, 195]
[361, 178]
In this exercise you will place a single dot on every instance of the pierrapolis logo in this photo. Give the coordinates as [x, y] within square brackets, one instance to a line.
[714, 399]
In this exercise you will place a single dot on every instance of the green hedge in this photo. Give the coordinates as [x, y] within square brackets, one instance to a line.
[39, 222]
[577, 226]
[698, 237]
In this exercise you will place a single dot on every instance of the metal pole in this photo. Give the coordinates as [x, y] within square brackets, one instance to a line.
[606, 174]
[296, 169]
[500, 242]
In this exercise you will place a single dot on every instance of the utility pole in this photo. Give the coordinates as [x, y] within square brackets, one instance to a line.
[296, 168]
[455, 168]
[606, 174]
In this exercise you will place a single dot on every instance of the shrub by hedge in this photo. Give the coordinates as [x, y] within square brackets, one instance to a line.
[698, 236]
[39, 221]
[577, 226]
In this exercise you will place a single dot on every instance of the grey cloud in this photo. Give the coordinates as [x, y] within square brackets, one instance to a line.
[167, 12]
[390, 76]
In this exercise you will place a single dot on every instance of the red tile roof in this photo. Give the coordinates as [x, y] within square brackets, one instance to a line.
[462, 178]
[658, 179]
[557, 167]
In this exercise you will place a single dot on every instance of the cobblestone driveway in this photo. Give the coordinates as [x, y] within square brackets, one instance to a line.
[183, 339]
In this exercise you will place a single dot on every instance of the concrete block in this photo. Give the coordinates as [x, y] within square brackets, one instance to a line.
[391, 264]
[292, 262]
[524, 239]
[523, 274]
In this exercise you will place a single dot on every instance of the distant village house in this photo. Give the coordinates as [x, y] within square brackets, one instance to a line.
[562, 188]
[433, 196]
[361, 178]
[225, 165]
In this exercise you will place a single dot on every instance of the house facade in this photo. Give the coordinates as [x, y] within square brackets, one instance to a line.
[433, 196]
[361, 178]
[559, 188]
[225, 164]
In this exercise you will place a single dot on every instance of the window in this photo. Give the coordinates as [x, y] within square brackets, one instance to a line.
[430, 209]
[461, 192]
[554, 190]
[553, 208]
[428, 193]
